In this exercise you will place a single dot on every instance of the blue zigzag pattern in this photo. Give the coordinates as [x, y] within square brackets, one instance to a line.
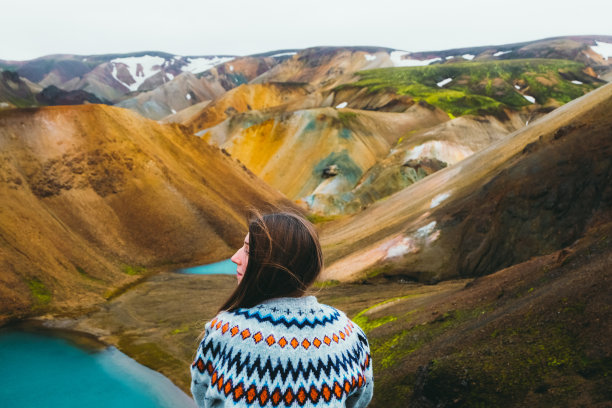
[250, 314]
[225, 357]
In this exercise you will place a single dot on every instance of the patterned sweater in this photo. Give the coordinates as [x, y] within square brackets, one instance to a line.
[285, 352]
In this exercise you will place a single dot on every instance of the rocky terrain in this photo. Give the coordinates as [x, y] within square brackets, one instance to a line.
[94, 197]
[463, 200]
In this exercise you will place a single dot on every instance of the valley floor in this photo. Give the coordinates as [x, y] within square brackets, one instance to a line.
[535, 333]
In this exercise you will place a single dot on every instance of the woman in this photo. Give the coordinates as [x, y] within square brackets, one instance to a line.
[270, 345]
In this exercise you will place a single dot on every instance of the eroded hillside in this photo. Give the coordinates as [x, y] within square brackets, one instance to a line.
[92, 196]
[528, 194]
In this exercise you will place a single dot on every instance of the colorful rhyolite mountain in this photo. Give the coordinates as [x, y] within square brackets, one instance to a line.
[94, 196]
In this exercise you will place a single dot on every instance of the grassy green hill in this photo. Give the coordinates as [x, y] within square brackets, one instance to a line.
[483, 87]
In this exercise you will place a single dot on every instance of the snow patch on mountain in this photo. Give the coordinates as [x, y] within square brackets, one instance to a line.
[577, 82]
[284, 54]
[369, 57]
[500, 53]
[602, 48]
[529, 98]
[444, 82]
[399, 61]
[140, 68]
[450, 153]
[468, 57]
[197, 65]
[341, 105]
[438, 199]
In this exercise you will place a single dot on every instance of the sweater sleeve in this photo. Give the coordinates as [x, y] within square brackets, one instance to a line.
[200, 381]
[363, 395]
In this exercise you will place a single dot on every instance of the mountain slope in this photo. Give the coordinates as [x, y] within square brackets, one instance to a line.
[245, 98]
[15, 91]
[296, 152]
[113, 76]
[93, 195]
[528, 194]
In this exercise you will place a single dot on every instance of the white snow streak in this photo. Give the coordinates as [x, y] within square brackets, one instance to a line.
[341, 105]
[444, 82]
[283, 54]
[468, 57]
[140, 68]
[517, 87]
[577, 82]
[426, 230]
[396, 58]
[188, 97]
[603, 49]
[369, 57]
[438, 199]
[499, 53]
[197, 65]
[529, 98]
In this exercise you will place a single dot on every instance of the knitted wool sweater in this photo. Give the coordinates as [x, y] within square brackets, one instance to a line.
[287, 352]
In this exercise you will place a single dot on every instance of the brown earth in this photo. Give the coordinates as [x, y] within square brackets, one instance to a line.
[531, 193]
[242, 99]
[533, 334]
[93, 197]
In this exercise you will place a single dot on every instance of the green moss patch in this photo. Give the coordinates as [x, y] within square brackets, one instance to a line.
[133, 270]
[482, 87]
[40, 293]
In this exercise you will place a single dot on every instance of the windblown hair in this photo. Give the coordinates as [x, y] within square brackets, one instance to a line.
[284, 260]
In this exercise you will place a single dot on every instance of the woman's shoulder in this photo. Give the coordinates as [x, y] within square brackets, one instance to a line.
[283, 313]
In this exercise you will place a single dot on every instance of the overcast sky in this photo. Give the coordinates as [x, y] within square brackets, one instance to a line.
[33, 28]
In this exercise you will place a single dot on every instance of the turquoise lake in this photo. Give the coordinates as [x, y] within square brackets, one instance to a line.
[226, 267]
[42, 370]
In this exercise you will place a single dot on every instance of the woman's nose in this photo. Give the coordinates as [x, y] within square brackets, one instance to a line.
[235, 258]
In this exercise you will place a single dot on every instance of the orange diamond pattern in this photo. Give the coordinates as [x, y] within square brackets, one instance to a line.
[326, 392]
[251, 394]
[245, 333]
[305, 344]
[301, 396]
[234, 331]
[335, 338]
[220, 383]
[294, 343]
[288, 396]
[225, 328]
[258, 337]
[282, 342]
[316, 342]
[327, 340]
[238, 392]
[276, 397]
[270, 340]
[342, 335]
[263, 397]
[314, 394]
[337, 390]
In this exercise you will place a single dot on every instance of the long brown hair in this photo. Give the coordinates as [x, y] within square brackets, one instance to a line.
[284, 259]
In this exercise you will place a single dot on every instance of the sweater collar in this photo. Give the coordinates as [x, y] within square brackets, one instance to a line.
[291, 302]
